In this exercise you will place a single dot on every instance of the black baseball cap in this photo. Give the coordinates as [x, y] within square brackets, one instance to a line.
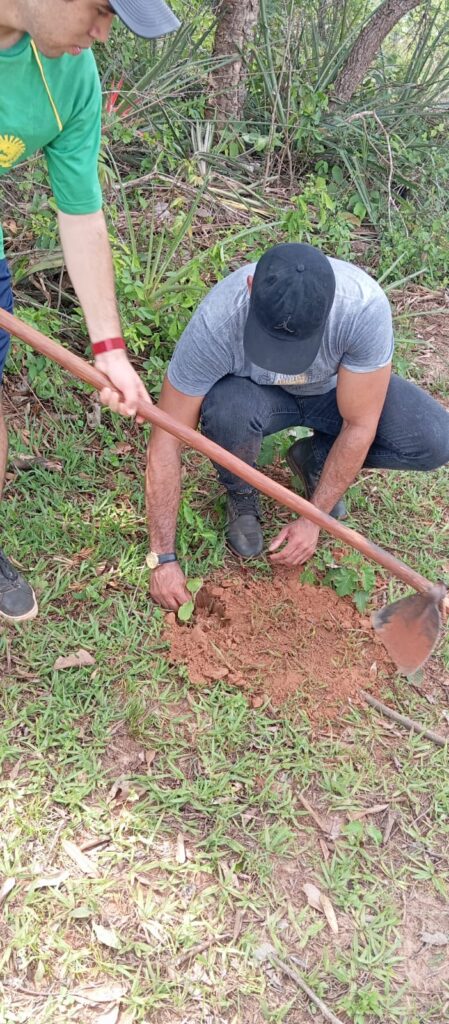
[291, 297]
[148, 18]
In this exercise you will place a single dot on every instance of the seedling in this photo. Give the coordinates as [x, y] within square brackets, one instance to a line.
[187, 609]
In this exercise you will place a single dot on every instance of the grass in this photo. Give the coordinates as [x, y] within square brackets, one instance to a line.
[190, 798]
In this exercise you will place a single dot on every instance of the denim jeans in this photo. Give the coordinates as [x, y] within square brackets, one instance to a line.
[412, 434]
[5, 303]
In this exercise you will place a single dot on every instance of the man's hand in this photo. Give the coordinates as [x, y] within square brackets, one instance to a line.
[168, 586]
[300, 539]
[124, 378]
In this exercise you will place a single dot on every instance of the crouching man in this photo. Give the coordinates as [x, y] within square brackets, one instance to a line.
[297, 339]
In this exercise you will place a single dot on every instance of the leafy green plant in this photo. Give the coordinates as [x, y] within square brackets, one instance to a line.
[317, 218]
[187, 609]
[352, 577]
[363, 1003]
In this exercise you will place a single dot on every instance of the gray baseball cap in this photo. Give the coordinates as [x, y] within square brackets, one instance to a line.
[148, 18]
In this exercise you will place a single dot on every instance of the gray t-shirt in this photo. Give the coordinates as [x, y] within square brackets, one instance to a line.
[358, 336]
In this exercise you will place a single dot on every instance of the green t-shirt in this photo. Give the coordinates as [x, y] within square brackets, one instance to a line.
[53, 105]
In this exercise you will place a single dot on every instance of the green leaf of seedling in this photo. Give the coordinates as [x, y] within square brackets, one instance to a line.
[194, 586]
[361, 600]
[186, 610]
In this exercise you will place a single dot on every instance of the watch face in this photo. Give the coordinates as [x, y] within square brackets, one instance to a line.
[152, 560]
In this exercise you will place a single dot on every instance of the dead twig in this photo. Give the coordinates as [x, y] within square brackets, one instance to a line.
[200, 948]
[307, 807]
[299, 981]
[404, 720]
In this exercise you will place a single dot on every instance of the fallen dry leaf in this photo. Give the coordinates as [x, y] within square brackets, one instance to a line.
[356, 815]
[108, 993]
[122, 448]
[110, 1017]
[329, 913]
[107, 936]
[435, 938]
[319, 901]
[50, 881]
[145, 880]
[25, 462]
[7, 887]
[85, 864]
[149, 757]
[313, 895]
[263, 952]
[123, 790]
[78, 660]
[180, 849]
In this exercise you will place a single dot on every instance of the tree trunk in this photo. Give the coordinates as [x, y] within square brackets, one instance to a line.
[367, 45]
[236, 24]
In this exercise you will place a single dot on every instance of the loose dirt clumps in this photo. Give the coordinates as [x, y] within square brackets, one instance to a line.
[278, 639]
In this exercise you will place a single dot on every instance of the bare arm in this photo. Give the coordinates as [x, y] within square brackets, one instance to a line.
[163, 491]
[88, 256]
[360, 398]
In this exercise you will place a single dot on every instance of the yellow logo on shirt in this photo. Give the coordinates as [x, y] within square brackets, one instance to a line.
[11, 148]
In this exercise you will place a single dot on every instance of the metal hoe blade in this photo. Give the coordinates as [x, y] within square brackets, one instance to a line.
[409, 628]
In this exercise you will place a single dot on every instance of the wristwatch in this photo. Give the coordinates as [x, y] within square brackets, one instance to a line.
[153, 559]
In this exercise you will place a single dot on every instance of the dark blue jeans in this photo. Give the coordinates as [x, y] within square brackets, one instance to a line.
[413, 430]
[5, 303]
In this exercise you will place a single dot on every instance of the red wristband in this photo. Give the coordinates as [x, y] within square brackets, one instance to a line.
[108, 345]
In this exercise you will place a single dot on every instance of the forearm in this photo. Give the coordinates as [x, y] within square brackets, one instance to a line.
[88, 258]
[163, 490]
[344, 461]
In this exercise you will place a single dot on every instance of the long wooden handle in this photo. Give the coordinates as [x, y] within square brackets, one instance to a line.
[86, 372]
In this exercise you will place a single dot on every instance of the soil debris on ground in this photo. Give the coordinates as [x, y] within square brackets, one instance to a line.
[278, 639]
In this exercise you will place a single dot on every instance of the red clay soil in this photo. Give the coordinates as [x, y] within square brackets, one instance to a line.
[278, 639]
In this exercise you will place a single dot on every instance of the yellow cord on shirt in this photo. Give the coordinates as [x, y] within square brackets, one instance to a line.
[53, 104]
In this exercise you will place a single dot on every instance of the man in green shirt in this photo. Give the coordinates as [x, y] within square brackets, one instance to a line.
[50, 100]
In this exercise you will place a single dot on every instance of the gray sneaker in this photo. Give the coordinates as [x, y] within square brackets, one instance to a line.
[17, 599]
[244, 533]
[301, 460]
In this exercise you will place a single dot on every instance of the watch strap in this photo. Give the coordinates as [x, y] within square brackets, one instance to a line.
[171, 557]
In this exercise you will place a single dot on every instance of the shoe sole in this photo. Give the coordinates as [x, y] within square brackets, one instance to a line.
[238, 554]
[298, 472]
[22, 618]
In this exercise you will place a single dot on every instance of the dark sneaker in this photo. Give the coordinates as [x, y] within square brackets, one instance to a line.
[17, 599]
[301, 460]
[244, 533]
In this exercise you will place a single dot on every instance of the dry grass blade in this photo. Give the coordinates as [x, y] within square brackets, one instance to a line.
[181, 855]
[85, 864]
[7, 887]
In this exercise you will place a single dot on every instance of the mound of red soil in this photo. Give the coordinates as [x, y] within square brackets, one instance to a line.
[279, 639]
